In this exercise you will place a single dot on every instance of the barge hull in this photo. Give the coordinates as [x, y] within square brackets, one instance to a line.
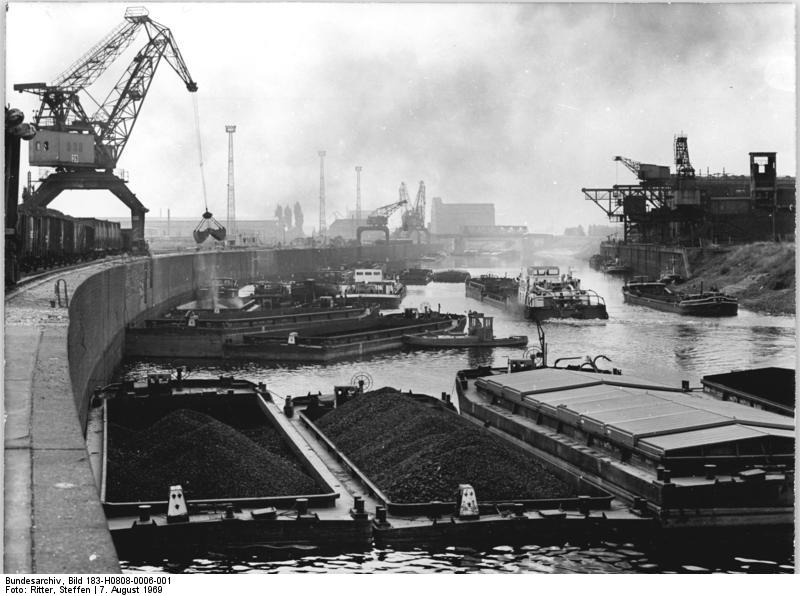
[588, 312]
[710, 309]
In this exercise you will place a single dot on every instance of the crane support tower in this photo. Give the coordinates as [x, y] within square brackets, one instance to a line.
[358, 194]
[322, 227]
[230, 129]
[84, 149]
[683, 167]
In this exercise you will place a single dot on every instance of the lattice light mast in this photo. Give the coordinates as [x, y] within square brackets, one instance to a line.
[322, 227]
[358, 194]
[230, 129]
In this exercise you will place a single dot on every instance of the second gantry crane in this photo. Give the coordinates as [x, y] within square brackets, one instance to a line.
[84, 149]
[378, 220]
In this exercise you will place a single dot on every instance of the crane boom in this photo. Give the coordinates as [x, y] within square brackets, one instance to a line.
[633, 166]
[85, 71]
[115, 118]
[648, 174]
[111, 125]
[387, 210]
[419, 204]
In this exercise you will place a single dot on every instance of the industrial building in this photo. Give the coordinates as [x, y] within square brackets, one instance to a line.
[450, 218]
[683, 208]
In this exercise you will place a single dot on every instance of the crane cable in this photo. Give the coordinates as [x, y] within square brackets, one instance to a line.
[200, 148]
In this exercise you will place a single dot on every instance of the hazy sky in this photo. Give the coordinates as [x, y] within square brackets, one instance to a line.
[516, 104]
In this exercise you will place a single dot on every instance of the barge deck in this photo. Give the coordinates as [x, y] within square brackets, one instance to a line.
[693, 463]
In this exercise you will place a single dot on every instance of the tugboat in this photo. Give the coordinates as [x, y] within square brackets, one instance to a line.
[616, 267]
[656, 294]
[480, 334]
[370, 287]
[545, 293]
[670, 276]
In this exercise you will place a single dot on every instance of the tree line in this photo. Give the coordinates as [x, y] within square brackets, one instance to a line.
[288, 217]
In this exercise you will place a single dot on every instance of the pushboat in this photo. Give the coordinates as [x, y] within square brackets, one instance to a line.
[545, 293]
[371, 288]
[479, 334]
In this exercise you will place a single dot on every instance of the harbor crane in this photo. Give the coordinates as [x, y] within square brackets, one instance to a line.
[84, 149]
[414, 218]
[378, 220]
[648, 174]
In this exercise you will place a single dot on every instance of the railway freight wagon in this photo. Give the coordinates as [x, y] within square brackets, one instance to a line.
[48, 238]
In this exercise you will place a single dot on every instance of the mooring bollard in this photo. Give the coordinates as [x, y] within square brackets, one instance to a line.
[584, 504]
[302, 506]
[666, 476]
[357, 512]
[144, 514]
[660, 473]
[380, 514]
[288, 407]
[711, 471]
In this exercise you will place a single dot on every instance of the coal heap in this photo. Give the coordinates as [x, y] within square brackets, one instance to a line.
[417, 452]
[209, 459]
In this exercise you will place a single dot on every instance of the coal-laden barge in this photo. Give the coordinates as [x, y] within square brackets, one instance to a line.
[186, 467]
[659, 296]
[695, 465]
[191, 466]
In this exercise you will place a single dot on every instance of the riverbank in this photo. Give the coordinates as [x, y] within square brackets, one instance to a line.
[761, 275]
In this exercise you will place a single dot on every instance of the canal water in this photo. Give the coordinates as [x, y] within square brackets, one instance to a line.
[641, 342]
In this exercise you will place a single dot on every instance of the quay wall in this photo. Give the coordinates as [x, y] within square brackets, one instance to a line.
[649, 259]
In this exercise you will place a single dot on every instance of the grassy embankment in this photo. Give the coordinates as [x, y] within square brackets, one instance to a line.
[761, 275]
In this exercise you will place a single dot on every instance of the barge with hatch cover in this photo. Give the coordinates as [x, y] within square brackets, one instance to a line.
[657, 295]
[545, 293]
[479, 334]
[694, 463]
[235, 473]
[382, 333]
